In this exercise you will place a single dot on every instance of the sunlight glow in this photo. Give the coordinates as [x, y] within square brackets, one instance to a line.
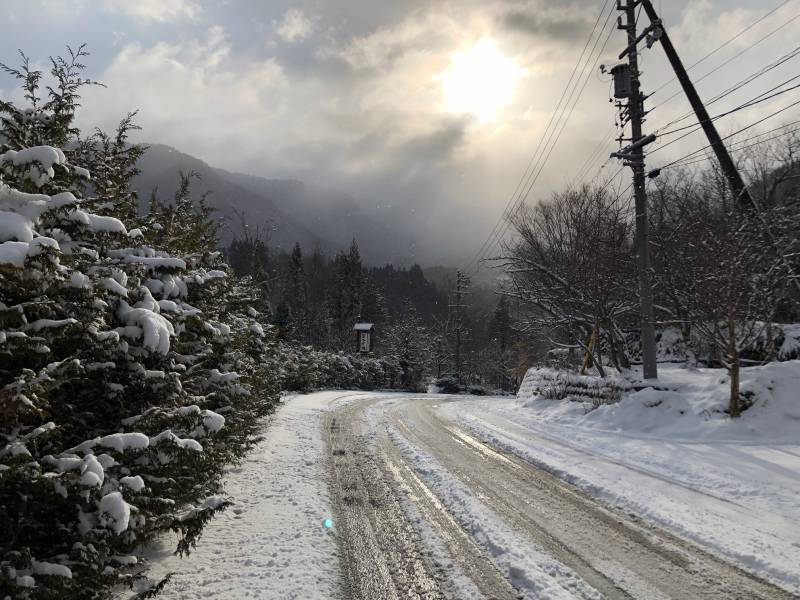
[480, 80]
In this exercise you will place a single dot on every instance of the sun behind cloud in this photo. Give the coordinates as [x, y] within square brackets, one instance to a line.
[480, 80]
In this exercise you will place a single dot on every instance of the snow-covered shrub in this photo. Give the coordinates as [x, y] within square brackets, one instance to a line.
[447, 385]
[478, 390]
[553, 384]
[119, 402]
[788, 343]
[302, 368]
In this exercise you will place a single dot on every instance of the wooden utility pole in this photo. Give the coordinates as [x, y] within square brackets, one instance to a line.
[627, 85]
[457, 311]
[659, 33]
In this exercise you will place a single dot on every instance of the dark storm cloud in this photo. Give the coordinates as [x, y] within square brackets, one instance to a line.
[438, 146]
[562, 24]
[551, 26]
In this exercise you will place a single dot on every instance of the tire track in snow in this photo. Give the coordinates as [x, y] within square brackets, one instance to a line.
[376, 498]
[593, 539]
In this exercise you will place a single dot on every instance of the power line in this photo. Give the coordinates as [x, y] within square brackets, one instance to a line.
[533, 178]
[752, 102]
[747, 146]
[598, 149]
[533, 158]
[747, 80]
[597, 152]
[777, 112]
[528, 179]
[733, 88]
[562, 120]
[563, 125]
[725, 43]
[731, 59]
[552, 124]
[741, 148]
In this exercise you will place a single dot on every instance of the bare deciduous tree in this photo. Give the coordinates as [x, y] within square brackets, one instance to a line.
[572, 267]
[731, 278]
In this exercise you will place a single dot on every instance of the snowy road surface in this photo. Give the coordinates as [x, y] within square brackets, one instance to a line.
[432, 497]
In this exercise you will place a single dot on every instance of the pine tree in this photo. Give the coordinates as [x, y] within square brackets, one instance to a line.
[499, 333]
[295, 298]
[347, 295]
[409, 343]
[119, 404]
[319, 320]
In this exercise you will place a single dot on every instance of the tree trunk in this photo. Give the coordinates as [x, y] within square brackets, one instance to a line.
[588, 357]
[616, 348]
[686, 335]
[733, 354]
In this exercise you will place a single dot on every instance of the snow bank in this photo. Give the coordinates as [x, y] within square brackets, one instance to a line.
[693, 408]
[675, 458]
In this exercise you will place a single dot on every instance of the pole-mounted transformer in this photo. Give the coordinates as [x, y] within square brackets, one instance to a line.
[622, 80]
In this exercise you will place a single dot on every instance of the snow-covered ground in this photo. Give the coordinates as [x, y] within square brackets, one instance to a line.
[670, 457]
[732, 486]
[272, 543]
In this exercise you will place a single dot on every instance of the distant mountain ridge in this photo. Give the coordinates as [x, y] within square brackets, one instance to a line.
[291, 211]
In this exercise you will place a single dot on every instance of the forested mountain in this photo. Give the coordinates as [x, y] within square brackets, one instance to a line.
[287, 210]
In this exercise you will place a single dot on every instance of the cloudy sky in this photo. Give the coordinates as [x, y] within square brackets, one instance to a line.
[427, 112]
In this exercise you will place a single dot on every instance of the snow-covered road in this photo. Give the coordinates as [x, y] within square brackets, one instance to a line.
[434, 497]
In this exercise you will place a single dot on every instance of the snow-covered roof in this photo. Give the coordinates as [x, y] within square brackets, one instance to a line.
[363, 327]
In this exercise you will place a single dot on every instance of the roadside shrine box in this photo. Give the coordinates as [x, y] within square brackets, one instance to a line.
[364, 336]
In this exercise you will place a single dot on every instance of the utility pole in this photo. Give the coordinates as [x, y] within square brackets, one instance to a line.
[657, 32]
[462, 284]
[626, 80]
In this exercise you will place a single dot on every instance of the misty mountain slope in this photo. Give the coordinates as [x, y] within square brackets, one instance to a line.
[160, 167]
[294, 211]
[336, 213]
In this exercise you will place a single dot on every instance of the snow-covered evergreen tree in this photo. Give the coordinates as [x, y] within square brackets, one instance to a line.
[119, 400]
[347, 295]
[409, 343]
[500, 341]
[295, 298]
